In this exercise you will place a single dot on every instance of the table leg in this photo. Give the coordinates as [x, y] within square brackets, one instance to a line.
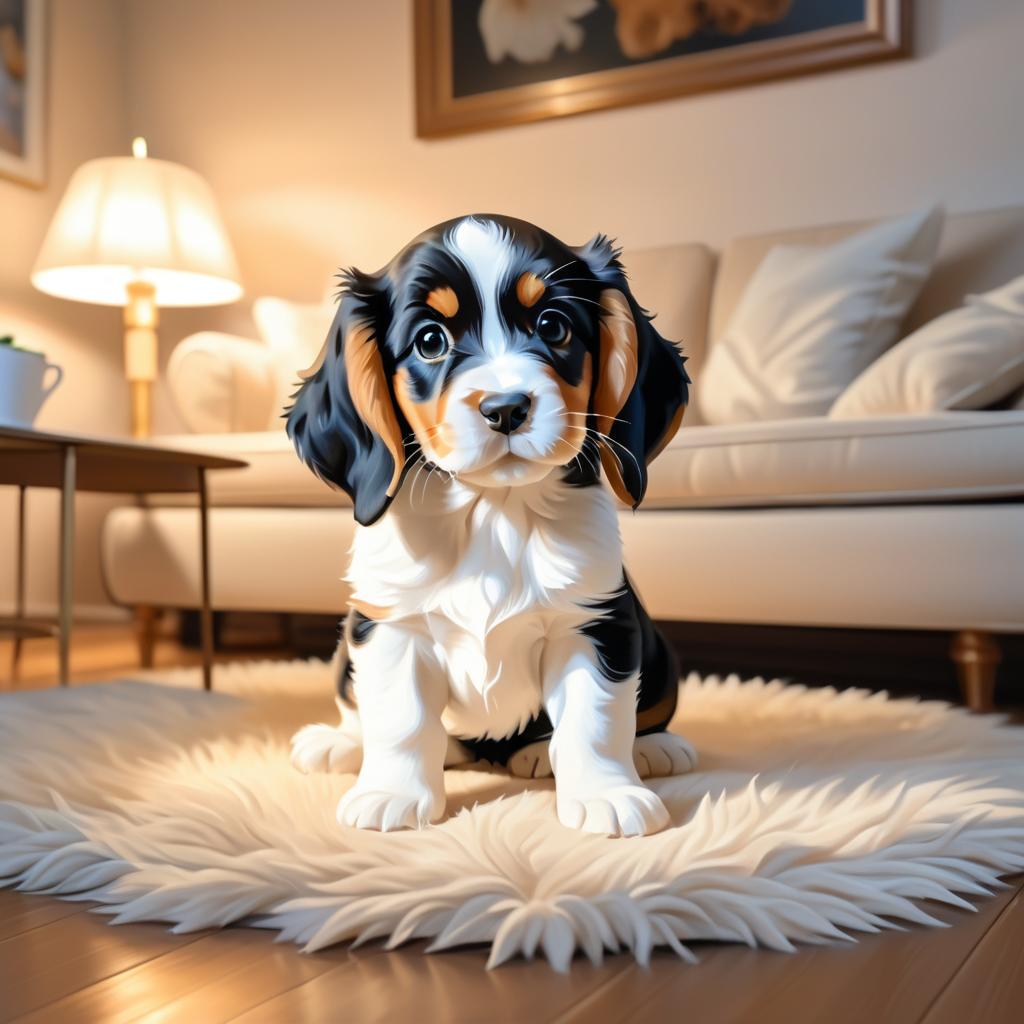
[205, 614]
[67, 560]
[19, 585]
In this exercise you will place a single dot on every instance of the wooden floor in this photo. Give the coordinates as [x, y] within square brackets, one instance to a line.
[59, 962]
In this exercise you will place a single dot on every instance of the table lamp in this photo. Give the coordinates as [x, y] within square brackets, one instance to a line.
[138, 233]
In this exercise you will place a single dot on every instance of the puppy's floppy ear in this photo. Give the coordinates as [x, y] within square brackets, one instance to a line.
[344, 422]
[640, 389]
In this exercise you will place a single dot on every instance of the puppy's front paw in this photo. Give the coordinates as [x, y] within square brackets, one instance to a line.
[663, 753]
[618, 810]
[321, 748]
[386, 810]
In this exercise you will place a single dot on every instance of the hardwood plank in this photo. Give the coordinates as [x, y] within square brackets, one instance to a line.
[989, 987]
[52, 961]
[889, 977]
[277, 969]
[454, 987]
[212, 979]
[21, 911]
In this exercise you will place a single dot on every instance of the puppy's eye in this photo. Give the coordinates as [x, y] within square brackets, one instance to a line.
[432, 343]
[553, 327]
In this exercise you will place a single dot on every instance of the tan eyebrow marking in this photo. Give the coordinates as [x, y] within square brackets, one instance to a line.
[529, 288]
[444, 300]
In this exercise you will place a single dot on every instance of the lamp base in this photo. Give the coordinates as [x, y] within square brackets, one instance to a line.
[141, 393]
[140, 322]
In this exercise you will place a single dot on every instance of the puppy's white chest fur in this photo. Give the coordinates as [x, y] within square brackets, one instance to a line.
[491, 574]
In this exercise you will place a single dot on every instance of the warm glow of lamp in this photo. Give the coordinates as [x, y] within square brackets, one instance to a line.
[138, 233]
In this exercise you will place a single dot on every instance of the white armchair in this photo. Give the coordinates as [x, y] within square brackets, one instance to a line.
[222, 384]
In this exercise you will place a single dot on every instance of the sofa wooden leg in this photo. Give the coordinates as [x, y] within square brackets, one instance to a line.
[147, 619]
[977, 656]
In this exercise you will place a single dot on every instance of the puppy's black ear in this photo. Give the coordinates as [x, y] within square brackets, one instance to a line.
[344, 422]
[640, 389]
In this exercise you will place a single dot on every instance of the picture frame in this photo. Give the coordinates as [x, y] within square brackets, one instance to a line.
[446, 107]
[23, 91]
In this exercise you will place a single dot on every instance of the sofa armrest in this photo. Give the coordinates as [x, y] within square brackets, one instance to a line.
[223, 384]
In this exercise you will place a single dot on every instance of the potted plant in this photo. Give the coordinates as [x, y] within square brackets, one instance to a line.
[23, 382]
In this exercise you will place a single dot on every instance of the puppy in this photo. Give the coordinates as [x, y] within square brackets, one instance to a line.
[468, 399]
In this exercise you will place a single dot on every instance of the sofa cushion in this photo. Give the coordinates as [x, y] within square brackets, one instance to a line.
[812, 318]
[943, 457]
[978, 251]
[274, 476]
[968, 358]
[674, 283]
[701, 566]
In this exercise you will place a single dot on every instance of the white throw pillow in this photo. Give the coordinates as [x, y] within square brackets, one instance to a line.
[294, 332]
[813, 317]
[968, 358]
[223, 384]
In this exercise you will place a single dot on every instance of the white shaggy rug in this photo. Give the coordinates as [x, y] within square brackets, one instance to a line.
[814, 815]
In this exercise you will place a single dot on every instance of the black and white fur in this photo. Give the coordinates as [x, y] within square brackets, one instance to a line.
[467, 398]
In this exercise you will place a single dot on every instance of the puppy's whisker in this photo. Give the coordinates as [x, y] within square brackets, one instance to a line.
[583, 453]
[606, 313]
[577, 298]
[551, 273]
[614, 419]
[564, 414]
[615, 456]
[551, 414]
[585, 416]
[412, 486]
[619, 444]
[426, 484]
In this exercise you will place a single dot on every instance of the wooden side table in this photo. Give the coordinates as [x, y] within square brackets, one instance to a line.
[70, 463]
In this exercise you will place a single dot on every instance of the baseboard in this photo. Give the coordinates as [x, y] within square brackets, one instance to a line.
[905, 662]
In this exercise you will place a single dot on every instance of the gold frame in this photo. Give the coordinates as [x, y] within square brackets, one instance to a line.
[883, 34]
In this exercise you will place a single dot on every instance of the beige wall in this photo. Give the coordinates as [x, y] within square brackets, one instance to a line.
[87, 118]
[301, 116]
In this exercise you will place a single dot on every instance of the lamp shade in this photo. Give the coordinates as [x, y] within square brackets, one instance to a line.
[124, 220]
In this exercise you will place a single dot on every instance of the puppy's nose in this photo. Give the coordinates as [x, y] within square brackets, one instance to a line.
[505, 412]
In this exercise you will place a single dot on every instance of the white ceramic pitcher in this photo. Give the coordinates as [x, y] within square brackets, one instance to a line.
[23, 387]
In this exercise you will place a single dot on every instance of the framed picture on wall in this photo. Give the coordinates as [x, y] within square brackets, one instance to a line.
[486, 63]
[23, 90]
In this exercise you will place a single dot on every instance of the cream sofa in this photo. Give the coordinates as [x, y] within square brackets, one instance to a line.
[913, 522]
